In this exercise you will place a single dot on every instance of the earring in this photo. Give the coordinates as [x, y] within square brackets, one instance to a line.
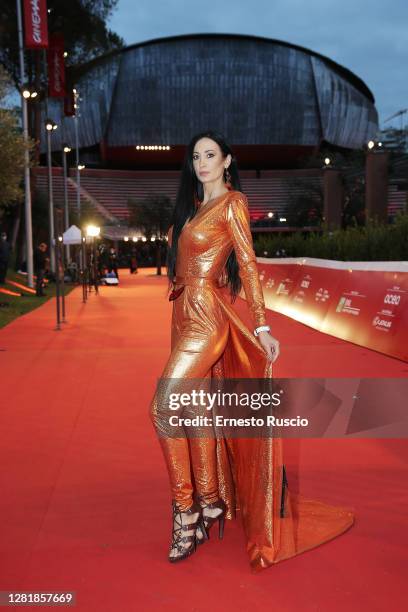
[227, 178]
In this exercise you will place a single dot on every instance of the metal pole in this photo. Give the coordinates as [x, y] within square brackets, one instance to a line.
[50, 202]
[64, 320]
[66, 204]
[60, 261]
[83, 268]
[57, 281]
[78, 172]
[27, 185]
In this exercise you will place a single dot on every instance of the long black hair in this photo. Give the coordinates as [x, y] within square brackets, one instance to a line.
[190, 190]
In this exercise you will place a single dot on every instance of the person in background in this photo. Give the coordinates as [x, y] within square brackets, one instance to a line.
[133, 262]
[40, 268]
[4, 257]
[113, 261]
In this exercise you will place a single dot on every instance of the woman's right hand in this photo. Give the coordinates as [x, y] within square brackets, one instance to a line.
[270, 345]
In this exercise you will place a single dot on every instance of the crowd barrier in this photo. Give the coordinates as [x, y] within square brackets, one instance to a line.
[362, 302]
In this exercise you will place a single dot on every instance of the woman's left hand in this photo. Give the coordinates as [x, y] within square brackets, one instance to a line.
[269, 344]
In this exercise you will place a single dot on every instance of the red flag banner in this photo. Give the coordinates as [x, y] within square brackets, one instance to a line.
[35, 24]
[56, 67]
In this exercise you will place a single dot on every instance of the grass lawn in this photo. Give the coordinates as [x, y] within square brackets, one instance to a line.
[12, 306]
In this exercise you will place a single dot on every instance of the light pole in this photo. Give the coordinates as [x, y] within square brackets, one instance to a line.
[27, 185]
[50, 126]
[92, 232]
[78, 169]
[65, 150]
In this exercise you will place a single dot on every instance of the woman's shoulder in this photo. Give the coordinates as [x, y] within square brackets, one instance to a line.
[234, 194]
[236, 205]
[237, 194]
[237, 198]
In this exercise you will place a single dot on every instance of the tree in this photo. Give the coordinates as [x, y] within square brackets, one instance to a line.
[12, 148]
[82, 22]
[152, 216]
[351, 163]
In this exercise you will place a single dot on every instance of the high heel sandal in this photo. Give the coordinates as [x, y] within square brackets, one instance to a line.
[178, 538]
[210, 520]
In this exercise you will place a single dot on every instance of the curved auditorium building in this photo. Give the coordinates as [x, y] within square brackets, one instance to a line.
[275, 102]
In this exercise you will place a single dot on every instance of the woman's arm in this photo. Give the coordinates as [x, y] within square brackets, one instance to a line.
[238, 223]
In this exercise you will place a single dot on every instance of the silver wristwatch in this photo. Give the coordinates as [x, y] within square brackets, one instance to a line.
[261, 328]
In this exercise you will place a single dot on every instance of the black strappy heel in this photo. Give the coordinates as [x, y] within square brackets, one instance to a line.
[210, 520]
[178, 537]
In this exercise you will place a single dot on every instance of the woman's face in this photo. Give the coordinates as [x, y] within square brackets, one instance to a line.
[208, 161]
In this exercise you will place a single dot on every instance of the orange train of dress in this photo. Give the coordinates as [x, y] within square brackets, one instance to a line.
[209, 340]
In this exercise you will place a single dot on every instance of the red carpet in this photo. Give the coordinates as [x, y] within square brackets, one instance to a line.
[84, 500]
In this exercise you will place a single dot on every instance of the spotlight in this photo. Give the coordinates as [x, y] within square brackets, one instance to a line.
[126, 238]
[144, 238]
[67, 149]
[28, 92]
[65, 53]
[327, 161]
[81, 166]
[50, 125]
[134, 238]
[371, 144]
[92, 231]
[153, 238]
[282, 219]
[270, 215]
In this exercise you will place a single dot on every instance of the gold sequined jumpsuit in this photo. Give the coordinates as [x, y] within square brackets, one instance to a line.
[209, 340]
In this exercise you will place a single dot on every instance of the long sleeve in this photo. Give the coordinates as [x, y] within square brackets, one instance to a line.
[238, 224]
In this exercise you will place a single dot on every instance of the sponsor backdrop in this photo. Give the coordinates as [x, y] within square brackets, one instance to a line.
[363, 302]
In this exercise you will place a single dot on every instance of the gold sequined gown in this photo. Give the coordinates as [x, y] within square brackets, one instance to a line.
[210, 340]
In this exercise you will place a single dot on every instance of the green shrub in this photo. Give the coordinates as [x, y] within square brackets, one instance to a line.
[374, 242]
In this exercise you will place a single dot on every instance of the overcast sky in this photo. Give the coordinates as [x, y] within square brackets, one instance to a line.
[369, 37]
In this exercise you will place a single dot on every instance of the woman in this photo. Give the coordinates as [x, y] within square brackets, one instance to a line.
[210, 245]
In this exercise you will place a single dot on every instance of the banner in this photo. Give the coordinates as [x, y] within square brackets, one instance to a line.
[56, 67]
[35, 24]
[363, 302]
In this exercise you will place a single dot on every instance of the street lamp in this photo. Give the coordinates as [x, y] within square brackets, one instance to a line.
[65, 150]
[27, 185]
[50, 126]
[92, 232]
[78, 168]
[28, 92]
